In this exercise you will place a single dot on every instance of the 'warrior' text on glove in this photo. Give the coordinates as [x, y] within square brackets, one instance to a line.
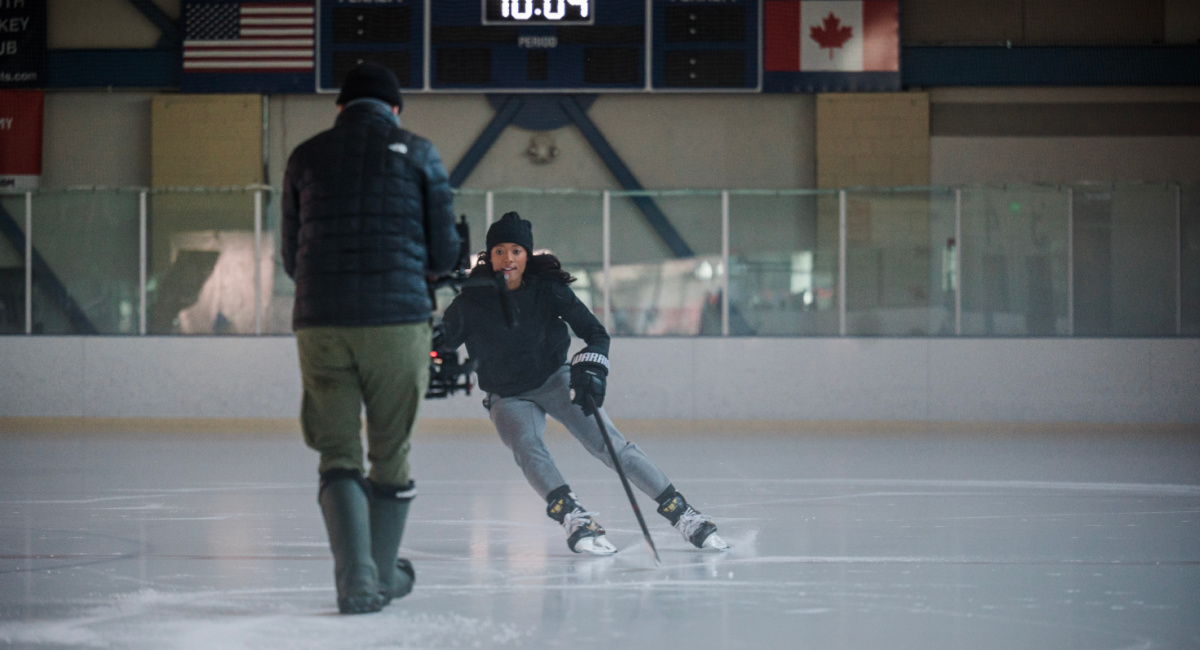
[589, 371]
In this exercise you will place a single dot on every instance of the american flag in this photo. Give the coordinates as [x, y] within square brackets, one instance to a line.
[248, 37]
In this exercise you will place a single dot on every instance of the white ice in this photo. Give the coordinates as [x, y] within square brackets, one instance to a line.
[841, 539]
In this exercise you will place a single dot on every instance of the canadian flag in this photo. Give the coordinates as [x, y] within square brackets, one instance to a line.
[831, 36]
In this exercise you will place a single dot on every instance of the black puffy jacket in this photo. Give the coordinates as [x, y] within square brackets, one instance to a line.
[512, 361]
[367, 212]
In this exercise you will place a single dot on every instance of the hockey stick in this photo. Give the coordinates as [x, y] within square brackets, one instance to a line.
[624, 481]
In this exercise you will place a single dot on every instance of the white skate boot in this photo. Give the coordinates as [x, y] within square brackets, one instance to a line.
[584, 535]
[696, 528]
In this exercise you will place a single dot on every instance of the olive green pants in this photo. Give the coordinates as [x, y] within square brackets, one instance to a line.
[385, 368]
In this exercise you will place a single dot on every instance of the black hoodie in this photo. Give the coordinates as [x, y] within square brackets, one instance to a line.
[512, 361]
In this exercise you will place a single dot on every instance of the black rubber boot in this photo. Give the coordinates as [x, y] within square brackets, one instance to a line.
[389, 511]
[345, 506]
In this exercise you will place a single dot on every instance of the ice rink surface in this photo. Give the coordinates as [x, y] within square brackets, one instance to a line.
[921, 539]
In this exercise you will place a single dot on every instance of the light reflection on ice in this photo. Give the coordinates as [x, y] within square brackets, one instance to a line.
[254, 619]
[839, 543]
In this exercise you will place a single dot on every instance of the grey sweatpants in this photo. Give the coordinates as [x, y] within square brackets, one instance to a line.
[521, 422]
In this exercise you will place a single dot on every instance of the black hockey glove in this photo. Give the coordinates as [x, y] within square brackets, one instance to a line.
[588, 378]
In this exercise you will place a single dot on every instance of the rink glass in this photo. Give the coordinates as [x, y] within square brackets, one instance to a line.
[1025, 260]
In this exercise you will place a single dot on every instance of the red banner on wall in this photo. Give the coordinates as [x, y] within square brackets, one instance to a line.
[21, 139]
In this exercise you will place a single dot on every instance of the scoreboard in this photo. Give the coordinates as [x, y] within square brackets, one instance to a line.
[390, 33]
[545, 45]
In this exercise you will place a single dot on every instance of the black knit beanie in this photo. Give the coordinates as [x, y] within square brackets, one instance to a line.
[370, 80]
[511, 228]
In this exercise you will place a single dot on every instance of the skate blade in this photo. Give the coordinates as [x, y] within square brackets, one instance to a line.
[715, 543]
[595, 546]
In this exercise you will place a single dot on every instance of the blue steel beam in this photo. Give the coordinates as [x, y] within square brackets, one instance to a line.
[504, 116]
[142, 68]
[1151, 65]
[170, 35]
[44, 274]
[507, 113]
[658, 220]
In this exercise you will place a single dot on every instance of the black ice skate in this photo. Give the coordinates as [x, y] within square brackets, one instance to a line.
[696, 528]
[584, 535]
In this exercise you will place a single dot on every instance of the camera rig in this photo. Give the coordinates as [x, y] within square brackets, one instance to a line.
[447, 375]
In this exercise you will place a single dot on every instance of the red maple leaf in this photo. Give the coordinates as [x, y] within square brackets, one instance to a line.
[831, 34]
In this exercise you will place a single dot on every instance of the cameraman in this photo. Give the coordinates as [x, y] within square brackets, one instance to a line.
[367, 218]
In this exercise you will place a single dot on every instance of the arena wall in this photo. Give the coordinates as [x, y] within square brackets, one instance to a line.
[681, 379]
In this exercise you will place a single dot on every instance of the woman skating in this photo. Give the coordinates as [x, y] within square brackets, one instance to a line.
[524, 370]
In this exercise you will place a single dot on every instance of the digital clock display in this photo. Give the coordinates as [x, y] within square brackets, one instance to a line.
[561, 46]
[539, 12]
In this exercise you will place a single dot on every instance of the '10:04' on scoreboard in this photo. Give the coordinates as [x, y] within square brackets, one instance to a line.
[545, 45]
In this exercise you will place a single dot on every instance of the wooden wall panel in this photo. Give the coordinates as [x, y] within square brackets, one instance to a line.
[872, 139]
[1093, 22]
[1046, 22]
[206, 140]
[1181, 20]
[961, 22]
